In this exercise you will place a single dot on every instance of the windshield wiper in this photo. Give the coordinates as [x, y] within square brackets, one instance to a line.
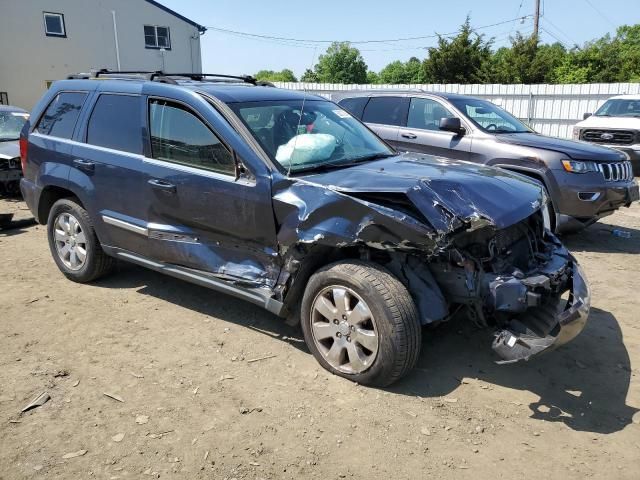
[369, 158]
[501, 130]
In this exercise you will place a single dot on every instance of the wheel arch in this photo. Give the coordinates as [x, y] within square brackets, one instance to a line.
[50, 195]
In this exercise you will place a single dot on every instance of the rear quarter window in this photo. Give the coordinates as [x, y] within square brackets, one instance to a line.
[116, 123]
[60, 117]
[386, 111]
[355, 106]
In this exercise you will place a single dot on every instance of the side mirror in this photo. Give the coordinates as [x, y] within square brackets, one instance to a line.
[451, 125]
[586, 115]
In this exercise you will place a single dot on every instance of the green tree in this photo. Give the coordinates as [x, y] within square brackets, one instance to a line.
[526, 61]
[403, 72]
[568, 72]
[309, 76]
[341, 63]
[461, 59]
[414, 71]
[373, 77]
[284, 75]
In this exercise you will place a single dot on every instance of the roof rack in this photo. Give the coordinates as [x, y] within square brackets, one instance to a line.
[163, 77]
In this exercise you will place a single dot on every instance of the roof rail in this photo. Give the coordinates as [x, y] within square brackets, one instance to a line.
[202, 76]
[160, 76]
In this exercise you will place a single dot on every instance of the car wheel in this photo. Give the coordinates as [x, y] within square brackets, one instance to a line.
[74, 244]
[361, 323]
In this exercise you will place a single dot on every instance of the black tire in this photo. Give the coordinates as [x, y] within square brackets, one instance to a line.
[396, 319]
[97, 263]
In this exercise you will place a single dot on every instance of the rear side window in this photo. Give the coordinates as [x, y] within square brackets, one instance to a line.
[355, 106]
[179, 136]
[115, 123]
[386, 110]
[61, 115]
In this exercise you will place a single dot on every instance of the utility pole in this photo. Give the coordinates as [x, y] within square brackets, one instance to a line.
[536, 20]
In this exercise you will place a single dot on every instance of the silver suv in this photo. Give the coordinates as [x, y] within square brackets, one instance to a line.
[585, 182]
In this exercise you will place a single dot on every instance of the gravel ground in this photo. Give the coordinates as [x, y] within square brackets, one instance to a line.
[150, 377]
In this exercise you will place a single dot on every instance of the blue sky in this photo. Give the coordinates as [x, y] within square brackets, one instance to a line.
[571, 21]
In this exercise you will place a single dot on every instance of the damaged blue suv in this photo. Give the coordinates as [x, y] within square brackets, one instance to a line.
[286, 200]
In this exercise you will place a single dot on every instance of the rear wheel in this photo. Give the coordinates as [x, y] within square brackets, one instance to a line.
[361, 323]
[74, 244]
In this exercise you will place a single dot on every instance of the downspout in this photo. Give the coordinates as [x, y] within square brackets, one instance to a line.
[115, 38]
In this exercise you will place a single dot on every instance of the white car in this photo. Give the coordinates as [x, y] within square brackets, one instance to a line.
[615, 124]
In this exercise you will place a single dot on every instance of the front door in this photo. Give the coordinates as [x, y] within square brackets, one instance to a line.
[421, 133]
[201, 215]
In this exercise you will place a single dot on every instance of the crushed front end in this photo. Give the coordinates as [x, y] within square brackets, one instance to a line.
[520, 280]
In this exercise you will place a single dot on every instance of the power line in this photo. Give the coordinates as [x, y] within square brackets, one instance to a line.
[309, 42]
[517, 16]
[601, 14]
[555, 36]
[559, 30]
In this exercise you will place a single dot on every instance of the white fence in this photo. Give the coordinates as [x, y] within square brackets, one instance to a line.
[548, 109]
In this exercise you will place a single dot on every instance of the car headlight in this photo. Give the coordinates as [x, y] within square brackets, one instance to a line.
[575, 166]
[576, 133]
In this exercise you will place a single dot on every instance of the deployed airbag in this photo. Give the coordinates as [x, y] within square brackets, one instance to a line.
[306, 148]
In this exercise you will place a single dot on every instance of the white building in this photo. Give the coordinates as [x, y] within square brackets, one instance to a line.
[46, 40]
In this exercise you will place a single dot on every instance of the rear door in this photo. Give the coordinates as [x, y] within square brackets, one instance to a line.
[384, 115]
[109, 166]
[201, 214]
[421, 132]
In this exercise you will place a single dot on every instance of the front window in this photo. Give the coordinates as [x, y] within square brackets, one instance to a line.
[11, 124]
[320, 135]
[54, 24]
[489, 117]
[179, 136]
[619, 107]
[156, 37]
[425, 114]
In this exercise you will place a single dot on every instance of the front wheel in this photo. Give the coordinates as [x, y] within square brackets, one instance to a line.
[361, 323]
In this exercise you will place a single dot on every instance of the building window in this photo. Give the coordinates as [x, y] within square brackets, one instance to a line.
[54, 24]
[4, 98]
[157, 37]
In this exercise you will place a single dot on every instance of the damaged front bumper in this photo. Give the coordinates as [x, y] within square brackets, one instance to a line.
[549, 325]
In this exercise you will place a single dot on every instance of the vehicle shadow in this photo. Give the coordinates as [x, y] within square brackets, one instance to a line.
[202, 300]
[583, 384]
[599, 238]
[15, 227]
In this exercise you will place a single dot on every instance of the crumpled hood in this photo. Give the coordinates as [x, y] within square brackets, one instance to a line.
[448, 193]
[9, 149]
[571, 148]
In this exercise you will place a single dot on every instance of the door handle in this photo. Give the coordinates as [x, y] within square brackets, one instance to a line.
[162, 185]
[85, 165]
[409, 135]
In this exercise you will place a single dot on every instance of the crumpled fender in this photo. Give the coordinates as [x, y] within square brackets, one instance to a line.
[314, 214]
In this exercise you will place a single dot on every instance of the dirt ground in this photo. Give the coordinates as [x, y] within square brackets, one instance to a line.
[200, 400]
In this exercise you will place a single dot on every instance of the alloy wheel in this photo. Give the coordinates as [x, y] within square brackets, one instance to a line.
[344, 330]
[70, 241]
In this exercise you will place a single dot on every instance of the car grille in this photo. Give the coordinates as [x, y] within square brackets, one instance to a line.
[614, 137]
[617, 171]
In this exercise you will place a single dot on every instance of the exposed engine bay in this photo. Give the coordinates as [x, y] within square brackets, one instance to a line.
[517, 280]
